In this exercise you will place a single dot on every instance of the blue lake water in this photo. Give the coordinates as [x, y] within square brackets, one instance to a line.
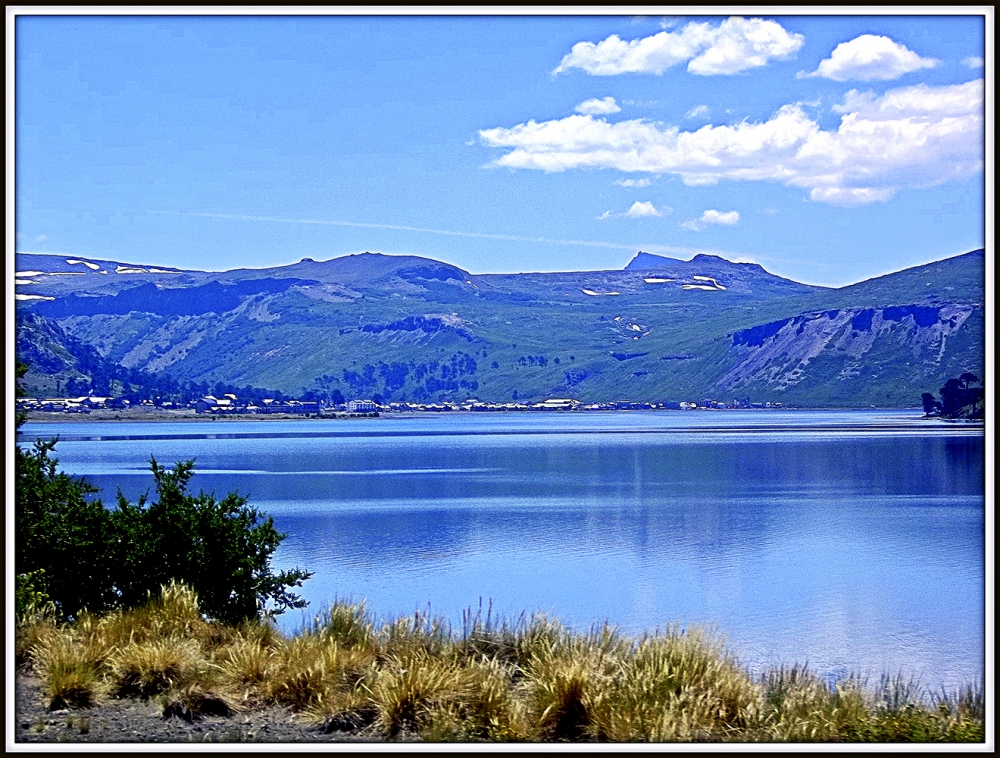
[850, 540]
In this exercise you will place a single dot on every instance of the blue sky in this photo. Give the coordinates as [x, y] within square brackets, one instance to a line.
[828, 149]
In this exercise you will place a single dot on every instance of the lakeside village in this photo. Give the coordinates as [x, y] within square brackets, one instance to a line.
[230, 405]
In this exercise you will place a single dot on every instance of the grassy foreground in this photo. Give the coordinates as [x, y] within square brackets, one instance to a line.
[414, 678]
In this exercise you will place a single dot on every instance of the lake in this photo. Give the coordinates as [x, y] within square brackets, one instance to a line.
[851, 540]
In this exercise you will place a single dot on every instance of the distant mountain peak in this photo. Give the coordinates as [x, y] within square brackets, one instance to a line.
[643, 261]
[648, 260]
[706, 257]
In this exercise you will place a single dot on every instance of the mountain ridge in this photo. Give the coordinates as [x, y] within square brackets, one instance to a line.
[409, 327]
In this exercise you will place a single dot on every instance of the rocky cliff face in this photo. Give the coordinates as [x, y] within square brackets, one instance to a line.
[846, 345]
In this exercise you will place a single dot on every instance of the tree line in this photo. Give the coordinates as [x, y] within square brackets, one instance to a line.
[960, 397]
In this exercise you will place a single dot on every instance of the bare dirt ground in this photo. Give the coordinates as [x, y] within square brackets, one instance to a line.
[144, 721]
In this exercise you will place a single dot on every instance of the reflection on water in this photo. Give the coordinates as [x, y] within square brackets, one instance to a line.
[853, 542]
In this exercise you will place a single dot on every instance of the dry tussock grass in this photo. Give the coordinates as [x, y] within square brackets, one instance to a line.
[413, 678]
[70, 674]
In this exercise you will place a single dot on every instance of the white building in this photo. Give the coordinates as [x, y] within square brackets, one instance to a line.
[361, 406]
[557, 403]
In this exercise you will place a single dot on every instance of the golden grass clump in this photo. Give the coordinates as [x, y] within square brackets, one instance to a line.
[675, 687]
[311, 672]
[33, 629]
[797, 707]
[70, 676]
[490, 707]
[144, 669]
[246, 664]
[346, 624]
[416, 690]
[566, 675]
[534, 639]
[417, 633]
[487, 638]
[173, 615]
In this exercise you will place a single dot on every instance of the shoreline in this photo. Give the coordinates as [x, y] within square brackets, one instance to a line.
[189, 415]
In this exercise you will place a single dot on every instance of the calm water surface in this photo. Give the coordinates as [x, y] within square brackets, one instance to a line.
[852, 540]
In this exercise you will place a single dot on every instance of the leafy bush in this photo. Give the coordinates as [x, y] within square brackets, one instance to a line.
[220, 548]
[63, 533]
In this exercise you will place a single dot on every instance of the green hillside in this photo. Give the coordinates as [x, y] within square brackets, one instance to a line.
[413, 329]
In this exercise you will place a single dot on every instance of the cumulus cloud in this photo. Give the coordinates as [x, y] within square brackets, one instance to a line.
[871, 57]
[598, 106]
[908, 137]
[735, 45]
[697, 111]
[919, 101]
[640, 209]
[711, 216]
[633, 182]
[729, 218]
[974, 61]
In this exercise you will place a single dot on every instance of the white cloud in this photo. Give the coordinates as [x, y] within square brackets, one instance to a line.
[633, 182]
[698, 110]
[974, 61]
[737, 44]
[870, 57]
[729, 218]
[711, 216]
[598, 106]
[851, 195]
[919, 101]
[640, 209]
[41, 238]
[909, 137]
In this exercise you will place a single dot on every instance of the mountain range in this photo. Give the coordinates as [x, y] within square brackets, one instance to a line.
[416, 329]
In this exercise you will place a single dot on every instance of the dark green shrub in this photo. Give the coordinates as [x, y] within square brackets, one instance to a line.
[220, 548]
[62, 537]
